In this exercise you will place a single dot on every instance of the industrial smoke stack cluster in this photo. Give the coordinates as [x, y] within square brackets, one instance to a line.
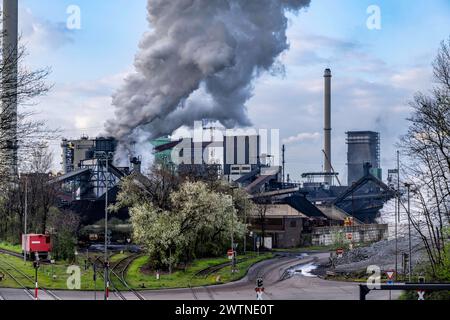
[8, 126]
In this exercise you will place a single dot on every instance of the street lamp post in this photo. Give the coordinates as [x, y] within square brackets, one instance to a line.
[397, 213]
[233, 260]
[245, 221]
[25, 220]
[106, 156]
[408, 187]
[36, 287]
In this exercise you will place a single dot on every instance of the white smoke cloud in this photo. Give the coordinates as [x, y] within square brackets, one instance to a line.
[199, 61]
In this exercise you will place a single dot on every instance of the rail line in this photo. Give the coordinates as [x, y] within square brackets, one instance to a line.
[101, 267]
[11, 253]
[121, 267]
[25, 288]
[208, 271]
[127, 262]
[10, 267]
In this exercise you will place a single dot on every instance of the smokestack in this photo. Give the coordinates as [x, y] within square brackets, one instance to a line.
[9, 83]
[327, 127]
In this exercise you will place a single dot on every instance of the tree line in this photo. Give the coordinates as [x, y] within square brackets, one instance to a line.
[426, 166]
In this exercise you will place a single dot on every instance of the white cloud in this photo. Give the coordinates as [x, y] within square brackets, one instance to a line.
[40, 34]
[78, 109]
[301, 137]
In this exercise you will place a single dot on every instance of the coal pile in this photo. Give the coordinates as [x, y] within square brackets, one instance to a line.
[381, 254]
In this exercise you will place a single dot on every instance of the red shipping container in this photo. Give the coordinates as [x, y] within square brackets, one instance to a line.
[32, 243]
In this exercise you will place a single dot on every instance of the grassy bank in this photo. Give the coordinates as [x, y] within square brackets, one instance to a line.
[55, 277]
[183, 279]
[11, 247]
[51, 277]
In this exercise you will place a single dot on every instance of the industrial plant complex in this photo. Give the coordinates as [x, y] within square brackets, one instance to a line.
[253, 150]
[295, 214]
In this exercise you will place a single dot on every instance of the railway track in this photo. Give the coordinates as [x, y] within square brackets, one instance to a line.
[118, 273]
[7, 272]
[99, 263]
[23, 280]
[124, 264]
[11, 253]
[208, 271]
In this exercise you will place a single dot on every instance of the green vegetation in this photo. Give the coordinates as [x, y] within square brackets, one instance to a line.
[441, 273]
[177, 219]
[10, 247]
[137, 275]
[45, 274]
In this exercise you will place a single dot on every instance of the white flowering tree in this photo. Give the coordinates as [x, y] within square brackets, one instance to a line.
[200, 223]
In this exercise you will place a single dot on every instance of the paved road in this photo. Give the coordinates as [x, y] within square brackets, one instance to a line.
[297, 287]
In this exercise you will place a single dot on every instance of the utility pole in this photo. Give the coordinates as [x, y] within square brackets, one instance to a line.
[233, 260]
[25, 220]
[397, 213]
[106, 231]
[245, 221]
[284, 163]
[408, 187]
[105, 156]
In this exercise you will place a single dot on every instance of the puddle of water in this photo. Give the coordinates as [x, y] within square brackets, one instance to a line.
[303, 270]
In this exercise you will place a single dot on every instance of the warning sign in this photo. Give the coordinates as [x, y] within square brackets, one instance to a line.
[390, 274]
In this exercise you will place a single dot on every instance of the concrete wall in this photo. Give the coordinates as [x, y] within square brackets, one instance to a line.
[325, 236]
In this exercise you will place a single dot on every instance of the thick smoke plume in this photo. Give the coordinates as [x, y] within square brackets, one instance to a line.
[198, 62]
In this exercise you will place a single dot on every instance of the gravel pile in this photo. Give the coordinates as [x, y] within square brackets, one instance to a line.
[381, 254]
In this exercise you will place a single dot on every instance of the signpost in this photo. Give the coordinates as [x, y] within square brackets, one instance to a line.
[390, 274]
[95, 280]
[36, 267]
[421, 293]
[259, 288]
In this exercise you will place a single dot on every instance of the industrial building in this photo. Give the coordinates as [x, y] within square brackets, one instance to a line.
[362, 198]
[232, 157]
[241, 155]
[363, 148]
[88, 172]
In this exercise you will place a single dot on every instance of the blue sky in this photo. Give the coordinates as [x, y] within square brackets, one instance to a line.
[375, 72]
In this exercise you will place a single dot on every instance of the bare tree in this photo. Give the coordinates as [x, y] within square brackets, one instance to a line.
[262, 206]
[20, 144]
[427, 148]
[32, 187]
[18, 131]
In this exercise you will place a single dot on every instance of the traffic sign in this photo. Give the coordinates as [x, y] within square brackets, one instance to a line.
[421, 295]
[259, 282]
[390, 274]
[230, 254]
[349, 236]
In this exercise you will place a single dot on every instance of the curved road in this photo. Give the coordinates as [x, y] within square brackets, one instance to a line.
[295, 288]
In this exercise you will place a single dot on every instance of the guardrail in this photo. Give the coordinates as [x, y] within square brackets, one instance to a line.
[364, 289]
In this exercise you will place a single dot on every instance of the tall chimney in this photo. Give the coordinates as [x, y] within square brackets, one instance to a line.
[327, 127]
[9, 83]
